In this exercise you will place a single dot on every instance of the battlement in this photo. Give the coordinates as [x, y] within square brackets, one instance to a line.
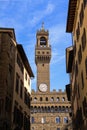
[53, 91]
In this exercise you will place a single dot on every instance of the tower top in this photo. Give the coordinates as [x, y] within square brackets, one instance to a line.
[42, 30]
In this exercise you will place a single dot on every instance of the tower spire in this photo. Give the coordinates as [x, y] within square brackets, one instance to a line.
[42, 28]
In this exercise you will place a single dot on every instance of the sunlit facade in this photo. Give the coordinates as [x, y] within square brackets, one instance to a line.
[76, 62]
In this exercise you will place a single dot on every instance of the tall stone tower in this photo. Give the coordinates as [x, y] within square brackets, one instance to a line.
[49, 109]
[42, 60]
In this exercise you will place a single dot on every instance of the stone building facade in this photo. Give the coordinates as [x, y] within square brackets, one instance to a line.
[49, 110]
[76, 62]
[15, 83]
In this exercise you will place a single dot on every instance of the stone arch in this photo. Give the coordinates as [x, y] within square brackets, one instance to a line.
[56, 108]
[52, 109]
[67, 108]
[59, 109]
[63, 108]
[35, 109]
[39, 109]
[57, 99]
[31, 108]
[63, 99]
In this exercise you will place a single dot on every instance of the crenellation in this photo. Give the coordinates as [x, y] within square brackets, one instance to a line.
[47, 107]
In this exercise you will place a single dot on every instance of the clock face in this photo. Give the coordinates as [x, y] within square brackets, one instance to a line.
[43, 87]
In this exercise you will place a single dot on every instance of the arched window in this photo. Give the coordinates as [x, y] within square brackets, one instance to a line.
[43, 41]
[63, 108]
[31, 109]
[59, 109]
[42, 109]
[35, 109]
[66, 108]
[35, 99]
[70, 110]
[41, 98]
[39, 109]
[57, 99]
[56, 109]
[45, 109]
[46, 98]
[52, 109]
[63, 99]
[52, 99]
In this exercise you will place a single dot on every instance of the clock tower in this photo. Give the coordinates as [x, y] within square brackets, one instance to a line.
[49, 109]
[42, 60]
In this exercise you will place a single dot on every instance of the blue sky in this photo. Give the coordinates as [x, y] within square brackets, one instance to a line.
[26, 17]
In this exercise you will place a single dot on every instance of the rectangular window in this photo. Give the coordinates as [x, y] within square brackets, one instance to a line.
[32, 119]
[86, 66]
[21, 89]
[15, 120]
[82, 79]
[58, 128]
[81, 15]
[28, 81]
[83, 39]
[26, 123]
[28, 100]
[1, 106]
[17, 83]
[7, 104]
[20, 64]
[85, 3]
[18, 60]
[25, 97]
[78, 32]
[58, 120]
[80, 55]
[43, 120]
[26, 76]
[65, 119]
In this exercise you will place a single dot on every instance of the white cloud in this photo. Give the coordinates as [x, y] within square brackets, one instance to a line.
[37, 16]
[57, 33]
[57, 57]
[49, 9]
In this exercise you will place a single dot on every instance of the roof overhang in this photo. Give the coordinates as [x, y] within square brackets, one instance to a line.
[25, 60]
[10, 31]
[71, 15]
[69, 59]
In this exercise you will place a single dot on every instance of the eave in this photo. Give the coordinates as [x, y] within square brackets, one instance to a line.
[25, 60]
[71, 15]
[10, 31]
